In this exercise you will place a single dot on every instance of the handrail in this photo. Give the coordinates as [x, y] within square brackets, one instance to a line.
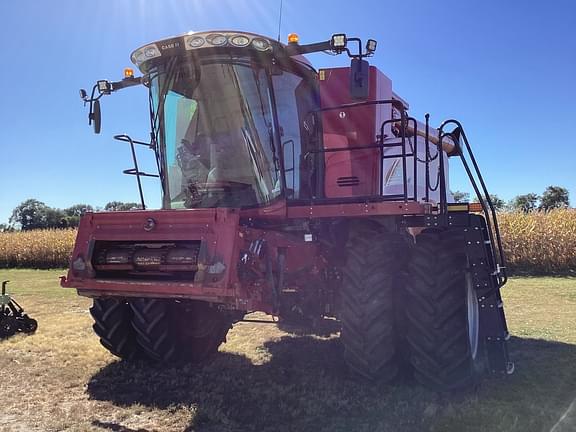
[394, 102]
[126, 138]
[485, 201]
[136, 171]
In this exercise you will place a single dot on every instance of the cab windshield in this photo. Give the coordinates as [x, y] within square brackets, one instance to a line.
[215, 131]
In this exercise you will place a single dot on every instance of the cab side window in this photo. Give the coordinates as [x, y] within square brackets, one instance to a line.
[295, 99]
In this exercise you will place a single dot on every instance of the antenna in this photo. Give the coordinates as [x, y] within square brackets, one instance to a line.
[280, 21]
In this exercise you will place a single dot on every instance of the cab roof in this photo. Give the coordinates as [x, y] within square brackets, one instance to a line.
[214, 39]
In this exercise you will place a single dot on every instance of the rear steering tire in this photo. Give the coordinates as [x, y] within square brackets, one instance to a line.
[441, 311]
[371, 273]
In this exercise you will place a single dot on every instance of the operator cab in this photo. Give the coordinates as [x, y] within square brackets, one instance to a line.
[240, 120]
[227, 108]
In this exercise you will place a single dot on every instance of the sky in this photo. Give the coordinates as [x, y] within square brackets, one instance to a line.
[505, 69]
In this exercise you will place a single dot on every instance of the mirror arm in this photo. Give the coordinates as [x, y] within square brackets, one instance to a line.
[295, 49]
[359, 55]
[93, 117]
[126, 82]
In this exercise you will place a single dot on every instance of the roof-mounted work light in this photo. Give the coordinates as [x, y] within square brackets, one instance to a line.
[338, 42]
[371, 46]
[104, 86]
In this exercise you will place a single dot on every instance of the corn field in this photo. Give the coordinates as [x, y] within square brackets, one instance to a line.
[534, 243]
[540, 242]
[36, 249]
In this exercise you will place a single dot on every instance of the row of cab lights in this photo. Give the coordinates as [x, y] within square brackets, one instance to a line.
[217, 39]
[196, 41]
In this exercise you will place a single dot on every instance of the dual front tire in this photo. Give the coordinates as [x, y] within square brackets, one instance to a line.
[410, 307]
[367, 307]
[160, 330]
[441, 314]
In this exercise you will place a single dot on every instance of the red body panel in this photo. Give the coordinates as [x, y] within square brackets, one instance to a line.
[224, 241]
[352, 173]
[360, 209]
[222, 238]
[217, 229]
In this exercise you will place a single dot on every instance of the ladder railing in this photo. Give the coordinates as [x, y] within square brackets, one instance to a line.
[408, 148]
[475, 176]
[376, 144]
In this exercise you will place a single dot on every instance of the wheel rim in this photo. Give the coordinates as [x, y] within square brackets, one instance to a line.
[31, 326]
[7, 327]
[473, 316]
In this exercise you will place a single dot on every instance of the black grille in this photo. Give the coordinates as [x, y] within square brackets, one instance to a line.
[348, 181]
[145, 257]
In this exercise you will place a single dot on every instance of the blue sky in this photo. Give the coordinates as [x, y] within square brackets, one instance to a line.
[505, 69]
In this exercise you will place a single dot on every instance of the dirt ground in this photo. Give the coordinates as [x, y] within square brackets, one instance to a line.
[266, 379]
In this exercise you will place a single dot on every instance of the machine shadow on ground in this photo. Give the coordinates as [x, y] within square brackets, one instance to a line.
[305, 387]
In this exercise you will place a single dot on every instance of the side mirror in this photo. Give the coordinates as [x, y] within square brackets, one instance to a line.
[359, 79]
[95, 117]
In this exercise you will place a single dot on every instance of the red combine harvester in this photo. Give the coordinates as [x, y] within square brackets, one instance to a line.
[304, 194]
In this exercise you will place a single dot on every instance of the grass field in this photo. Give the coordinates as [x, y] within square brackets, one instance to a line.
[265, 379]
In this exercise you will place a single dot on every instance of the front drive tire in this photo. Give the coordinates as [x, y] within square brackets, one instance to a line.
[112, 323]
[441, 312]
[367, 311]
[178, 332]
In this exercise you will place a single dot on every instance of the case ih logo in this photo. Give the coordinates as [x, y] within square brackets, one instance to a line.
[150, 224]
[170, 45]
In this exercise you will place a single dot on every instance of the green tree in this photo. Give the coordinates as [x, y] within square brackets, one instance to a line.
[55, 218]
[6, 227]
[78, 209]
[554, 197]
[30, 214]
[461, 196]
[75, 212]
[525, 203]
[33, 214]
[121, 206]
[498, 203]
